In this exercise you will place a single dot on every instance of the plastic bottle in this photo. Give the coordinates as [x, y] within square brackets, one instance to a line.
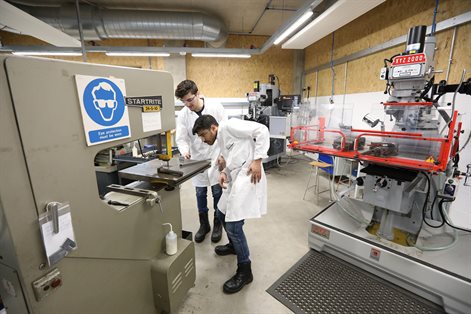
[134, 150]
[170, 241]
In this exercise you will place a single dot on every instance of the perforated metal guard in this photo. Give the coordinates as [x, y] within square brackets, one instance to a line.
[320, 283]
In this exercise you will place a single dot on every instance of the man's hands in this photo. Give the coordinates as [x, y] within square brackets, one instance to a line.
[186, 155]
[256, 170]
[223, 180]
[221, 162]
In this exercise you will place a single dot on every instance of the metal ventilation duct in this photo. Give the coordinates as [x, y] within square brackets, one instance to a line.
[99, 23]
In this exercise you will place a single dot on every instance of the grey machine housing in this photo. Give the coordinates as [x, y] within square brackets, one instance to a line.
[119, 264]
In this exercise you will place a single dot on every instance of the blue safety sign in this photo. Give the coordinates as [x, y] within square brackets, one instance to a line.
[104, 113]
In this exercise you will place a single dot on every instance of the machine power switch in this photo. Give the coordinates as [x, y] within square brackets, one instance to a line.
[450, 189]
[45, 285]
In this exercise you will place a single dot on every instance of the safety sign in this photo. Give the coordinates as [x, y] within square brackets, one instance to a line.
[104, 113]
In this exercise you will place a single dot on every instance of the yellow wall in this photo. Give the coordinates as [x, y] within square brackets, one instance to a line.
[10, 39]
[387, 21]
[215, 77]
[218, 77]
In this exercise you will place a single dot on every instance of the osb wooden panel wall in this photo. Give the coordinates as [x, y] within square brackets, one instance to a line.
[222, 77]
[155, 63]
[216, 77]
[387, 21]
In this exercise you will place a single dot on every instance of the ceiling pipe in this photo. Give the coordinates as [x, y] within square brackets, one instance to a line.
[105, 23]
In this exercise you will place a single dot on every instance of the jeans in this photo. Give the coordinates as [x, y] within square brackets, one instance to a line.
[236, 235]
[202, 197]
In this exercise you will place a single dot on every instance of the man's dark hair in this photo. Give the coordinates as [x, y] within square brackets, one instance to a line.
[186, 87]
[204, 122]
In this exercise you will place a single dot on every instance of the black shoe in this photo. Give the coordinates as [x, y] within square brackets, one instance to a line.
[224, 249]
[204, 228]
[242, 277]
[217, 230]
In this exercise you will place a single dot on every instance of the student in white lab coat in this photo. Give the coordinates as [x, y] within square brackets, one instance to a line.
[243, 145]
[190, 146]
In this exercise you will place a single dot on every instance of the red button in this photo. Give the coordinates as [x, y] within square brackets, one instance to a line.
[55, 283]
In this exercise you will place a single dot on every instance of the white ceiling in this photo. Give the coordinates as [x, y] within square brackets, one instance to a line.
[338, 15]
[239, 16]
[249, 17]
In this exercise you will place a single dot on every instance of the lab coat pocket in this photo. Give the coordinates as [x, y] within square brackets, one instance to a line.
[222, 204]
[243, 202]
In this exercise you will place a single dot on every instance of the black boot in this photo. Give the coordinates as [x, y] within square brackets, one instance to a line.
[242, 277]
[204, 228]
[217, 230]
[222, 250]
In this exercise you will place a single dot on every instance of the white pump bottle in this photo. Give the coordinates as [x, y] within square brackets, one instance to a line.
[134, 150]
[170, 241]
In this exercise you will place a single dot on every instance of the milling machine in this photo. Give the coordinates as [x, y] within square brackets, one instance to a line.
[401, 228]
[268, 107]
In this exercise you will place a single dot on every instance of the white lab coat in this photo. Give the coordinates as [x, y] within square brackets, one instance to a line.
[242, 199]
[189, 143]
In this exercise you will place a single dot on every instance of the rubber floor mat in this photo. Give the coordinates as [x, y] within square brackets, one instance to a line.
[322, 283]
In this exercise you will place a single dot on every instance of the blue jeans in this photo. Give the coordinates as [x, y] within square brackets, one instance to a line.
[236, 235]
[202, 197]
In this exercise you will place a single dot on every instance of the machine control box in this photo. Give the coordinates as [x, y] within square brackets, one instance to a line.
[47, 284]
[383, 75]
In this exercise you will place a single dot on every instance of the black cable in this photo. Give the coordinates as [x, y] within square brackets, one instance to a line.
[427, 88]
[438, 97]
[440, 206]
[431, 215]
[140, 147]
[456, 160]
[433, 204]
[424, 208]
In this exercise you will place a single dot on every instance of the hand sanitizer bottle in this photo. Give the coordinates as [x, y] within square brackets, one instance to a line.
[170, 241]
[134, 150]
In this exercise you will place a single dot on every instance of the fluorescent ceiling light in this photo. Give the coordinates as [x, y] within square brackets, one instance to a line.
[137, 54]
[46, 53]
[219, 55]
[293, 27]
[339, 14]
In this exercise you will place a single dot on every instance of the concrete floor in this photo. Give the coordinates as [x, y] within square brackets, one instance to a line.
[276, 242]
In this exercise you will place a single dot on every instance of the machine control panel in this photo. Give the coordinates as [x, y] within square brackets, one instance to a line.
[383, 75]
[47, 284]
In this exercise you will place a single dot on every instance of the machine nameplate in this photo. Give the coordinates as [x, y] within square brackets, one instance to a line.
[150, 108]
[410, 59]
[407, 70]
[148, 103]
[323, 232]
